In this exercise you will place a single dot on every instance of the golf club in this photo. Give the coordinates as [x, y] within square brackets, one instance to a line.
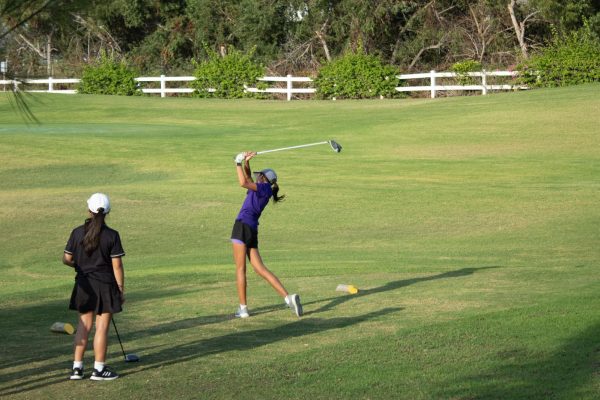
[334, 145]
[128, 357]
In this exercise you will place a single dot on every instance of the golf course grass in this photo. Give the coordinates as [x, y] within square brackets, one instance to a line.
[470, 226]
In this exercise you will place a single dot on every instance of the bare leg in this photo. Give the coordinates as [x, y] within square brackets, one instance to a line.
[239, 256]
[101, 336]
[84, 327]
[261, 269]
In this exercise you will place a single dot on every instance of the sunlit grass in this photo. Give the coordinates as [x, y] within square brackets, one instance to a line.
[469, 224]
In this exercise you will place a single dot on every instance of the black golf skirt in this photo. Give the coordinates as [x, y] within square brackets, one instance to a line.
[243, 233]
[95, 295]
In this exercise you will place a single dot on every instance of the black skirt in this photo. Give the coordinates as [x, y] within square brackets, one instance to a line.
[95, 294]
[244, 233]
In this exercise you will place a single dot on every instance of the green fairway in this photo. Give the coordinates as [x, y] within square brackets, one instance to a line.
[470, 226]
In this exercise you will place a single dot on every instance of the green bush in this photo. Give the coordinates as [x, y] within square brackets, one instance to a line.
[227, 74]
[568, 60]
[357, 76]
[108, 76]
[462, 69]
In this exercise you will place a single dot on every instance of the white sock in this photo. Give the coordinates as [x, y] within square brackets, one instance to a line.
[78, 364]
[287, 299]
[98, 366]
[243, 307]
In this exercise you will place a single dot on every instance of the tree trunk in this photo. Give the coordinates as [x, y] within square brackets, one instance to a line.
[519, 28]
[49, 55]
[424, 49]
[324, 44]
[43, 51]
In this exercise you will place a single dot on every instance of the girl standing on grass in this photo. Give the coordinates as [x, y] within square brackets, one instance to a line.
[244, 236]
[95, 251]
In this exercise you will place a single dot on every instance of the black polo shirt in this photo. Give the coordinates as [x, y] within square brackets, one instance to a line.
[100, 261]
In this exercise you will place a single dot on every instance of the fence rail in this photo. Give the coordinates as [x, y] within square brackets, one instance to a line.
[289, 90]
[433, 87]
[164, 90]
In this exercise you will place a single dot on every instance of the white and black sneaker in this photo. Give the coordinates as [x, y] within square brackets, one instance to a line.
[77, 374]
[105, 375]
[295, 305]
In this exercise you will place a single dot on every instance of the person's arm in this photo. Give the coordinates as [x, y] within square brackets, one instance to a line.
[67, 259]
[117, 265]
[247, 169]
[244, 173]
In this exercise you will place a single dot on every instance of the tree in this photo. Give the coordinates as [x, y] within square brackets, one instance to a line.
[519, 22]
[570, 15]
[13, 15]
[289, 36]
[429, 34]
[40, 26]
[571, 58]
[484, 35]
[154, 35]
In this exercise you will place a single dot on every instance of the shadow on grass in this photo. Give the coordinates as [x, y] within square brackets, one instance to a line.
[337, 300]
[27, 340]
[252, 339]
[568, 372]
[238, 341]
[173, 326]
[195, 322]
[36, 317]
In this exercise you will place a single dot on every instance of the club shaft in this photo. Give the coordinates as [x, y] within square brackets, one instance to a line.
[292, 147]
[118, 337]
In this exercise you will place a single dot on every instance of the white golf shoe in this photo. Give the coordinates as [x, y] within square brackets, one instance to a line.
[242, 313]
[295, 305]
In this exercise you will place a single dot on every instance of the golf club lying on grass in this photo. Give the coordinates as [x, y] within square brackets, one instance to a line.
[128, 357]
[334, 145]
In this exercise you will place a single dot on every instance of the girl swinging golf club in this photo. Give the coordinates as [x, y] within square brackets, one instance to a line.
[95, 251]
[244, 236]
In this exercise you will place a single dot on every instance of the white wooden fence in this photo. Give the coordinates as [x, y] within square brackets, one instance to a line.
[286, 84]
[289, 89]
[433, 87]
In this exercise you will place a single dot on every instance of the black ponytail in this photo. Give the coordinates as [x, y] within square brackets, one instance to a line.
[92, 229]
[275, 188]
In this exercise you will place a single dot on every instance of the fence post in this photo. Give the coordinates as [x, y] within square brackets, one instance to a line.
[163, 86]
[433, 83]
[484, 89]
[50, 84]
[289, 87]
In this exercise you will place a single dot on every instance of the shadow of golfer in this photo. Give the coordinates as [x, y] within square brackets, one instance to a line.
[195, 322]
[249, 339]
[337, 300]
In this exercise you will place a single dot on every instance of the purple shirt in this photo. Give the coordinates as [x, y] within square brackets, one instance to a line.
[254, 204]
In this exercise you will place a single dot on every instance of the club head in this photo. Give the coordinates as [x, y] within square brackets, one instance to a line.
[335, 146]
[131, 358]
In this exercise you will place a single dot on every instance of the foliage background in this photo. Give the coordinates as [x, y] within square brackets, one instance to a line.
[227, 75]
[356, 76]
[108, 76]
[570, 59]
[289, 36]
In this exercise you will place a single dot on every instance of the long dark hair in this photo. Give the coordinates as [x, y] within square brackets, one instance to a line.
[92, 229]
[275, 188]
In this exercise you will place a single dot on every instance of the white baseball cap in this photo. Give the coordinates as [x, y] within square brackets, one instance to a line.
[97, 201]
[269, 173]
